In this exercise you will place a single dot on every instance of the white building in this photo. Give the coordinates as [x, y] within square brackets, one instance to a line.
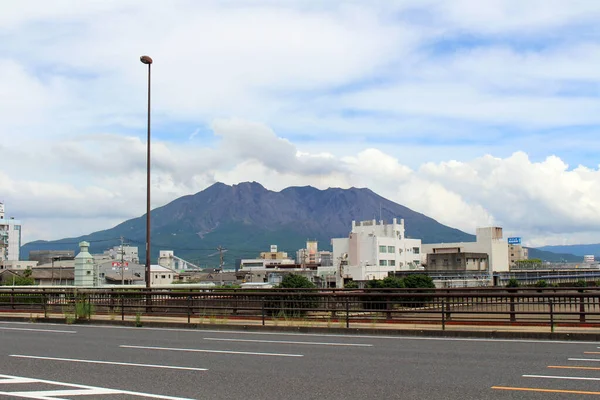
[373, 249]
[589, 259]
[489, 240]
[10, 237]
[160, 275]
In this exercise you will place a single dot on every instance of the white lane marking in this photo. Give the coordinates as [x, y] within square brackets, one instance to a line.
[17, 380]
[204, 331]
[109, 362]
[86, 387]
[6, 328]
[250, 353]
[288, 342]
[584, 359]
[576, 378]
[45, 394]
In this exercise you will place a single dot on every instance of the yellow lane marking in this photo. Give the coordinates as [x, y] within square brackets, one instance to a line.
[591, 352]
[544, 390]
[574, 367]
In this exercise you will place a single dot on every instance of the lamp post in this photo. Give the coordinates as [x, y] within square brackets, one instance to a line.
[148, 61]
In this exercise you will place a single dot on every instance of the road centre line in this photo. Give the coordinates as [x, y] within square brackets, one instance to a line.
[6, 328]
[109, 362]
[584, 359]
[288, 342]
[591, 352]
[573, 378]
[31, 395]
[250, 353]
[574, 367]
[543, 390]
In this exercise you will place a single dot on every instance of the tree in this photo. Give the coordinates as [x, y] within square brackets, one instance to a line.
[293, 281]
[20, 280]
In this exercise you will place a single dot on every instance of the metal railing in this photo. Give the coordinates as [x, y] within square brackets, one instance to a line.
[483, 306]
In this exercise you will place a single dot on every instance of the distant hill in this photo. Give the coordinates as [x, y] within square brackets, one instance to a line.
[577, 249]
[247, 218]
[553, 257]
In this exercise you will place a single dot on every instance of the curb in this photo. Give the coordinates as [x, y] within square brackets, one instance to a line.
[474, 334]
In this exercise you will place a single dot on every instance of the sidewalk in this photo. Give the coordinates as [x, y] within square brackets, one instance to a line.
[327, 327]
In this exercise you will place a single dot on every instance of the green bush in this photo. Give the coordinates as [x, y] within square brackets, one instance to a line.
[513, 283]
[541, 283]
[289, 303]
[351, 285]
[580, 283]
[414, 281]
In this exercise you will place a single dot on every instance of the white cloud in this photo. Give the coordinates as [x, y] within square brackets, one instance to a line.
[541, 201]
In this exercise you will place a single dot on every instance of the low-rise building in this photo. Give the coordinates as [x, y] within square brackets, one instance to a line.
[452, 259]
[47, 256]
[160, 275]
[488, 241]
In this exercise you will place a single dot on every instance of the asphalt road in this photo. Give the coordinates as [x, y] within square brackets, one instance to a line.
[69, 361]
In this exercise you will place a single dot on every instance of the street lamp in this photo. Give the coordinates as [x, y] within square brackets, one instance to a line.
[148, 61]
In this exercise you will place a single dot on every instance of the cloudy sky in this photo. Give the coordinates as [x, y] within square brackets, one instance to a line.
[472, 112]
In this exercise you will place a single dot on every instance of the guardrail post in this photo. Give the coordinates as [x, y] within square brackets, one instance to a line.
[12, 299]
[263, 310]
[447, 307]
[347, 312]
[88, 308]
[189, 309]
[443, 314]
[122, 308]
[582, 310]
[513, 317]
[388, 307]
[45, 303]
[551, 315]
[235, 302]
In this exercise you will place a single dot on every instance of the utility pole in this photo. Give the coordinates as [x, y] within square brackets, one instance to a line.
[221, 263]
[122, 263]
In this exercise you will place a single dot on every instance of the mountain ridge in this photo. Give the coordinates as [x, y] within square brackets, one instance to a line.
[246, 218]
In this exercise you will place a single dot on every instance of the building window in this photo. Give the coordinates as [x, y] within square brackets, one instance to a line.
[383, 249]
[416, 250]
[400, 251]
[163, 276]
[383, 263]
[89, 272]
[392, 263]
[391, 249]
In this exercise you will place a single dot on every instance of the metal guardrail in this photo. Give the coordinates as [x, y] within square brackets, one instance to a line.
[492, 306]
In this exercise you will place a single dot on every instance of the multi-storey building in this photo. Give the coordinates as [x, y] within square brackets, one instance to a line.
[375, 248]
[10, 238]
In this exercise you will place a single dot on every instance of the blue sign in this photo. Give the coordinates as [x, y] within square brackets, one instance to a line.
[514, 240]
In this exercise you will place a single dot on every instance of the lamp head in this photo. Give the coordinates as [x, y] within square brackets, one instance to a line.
[146, 60]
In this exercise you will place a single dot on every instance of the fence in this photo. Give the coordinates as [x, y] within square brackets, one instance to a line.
[492, 306]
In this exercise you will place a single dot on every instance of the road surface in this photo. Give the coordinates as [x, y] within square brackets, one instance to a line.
[46, 361]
